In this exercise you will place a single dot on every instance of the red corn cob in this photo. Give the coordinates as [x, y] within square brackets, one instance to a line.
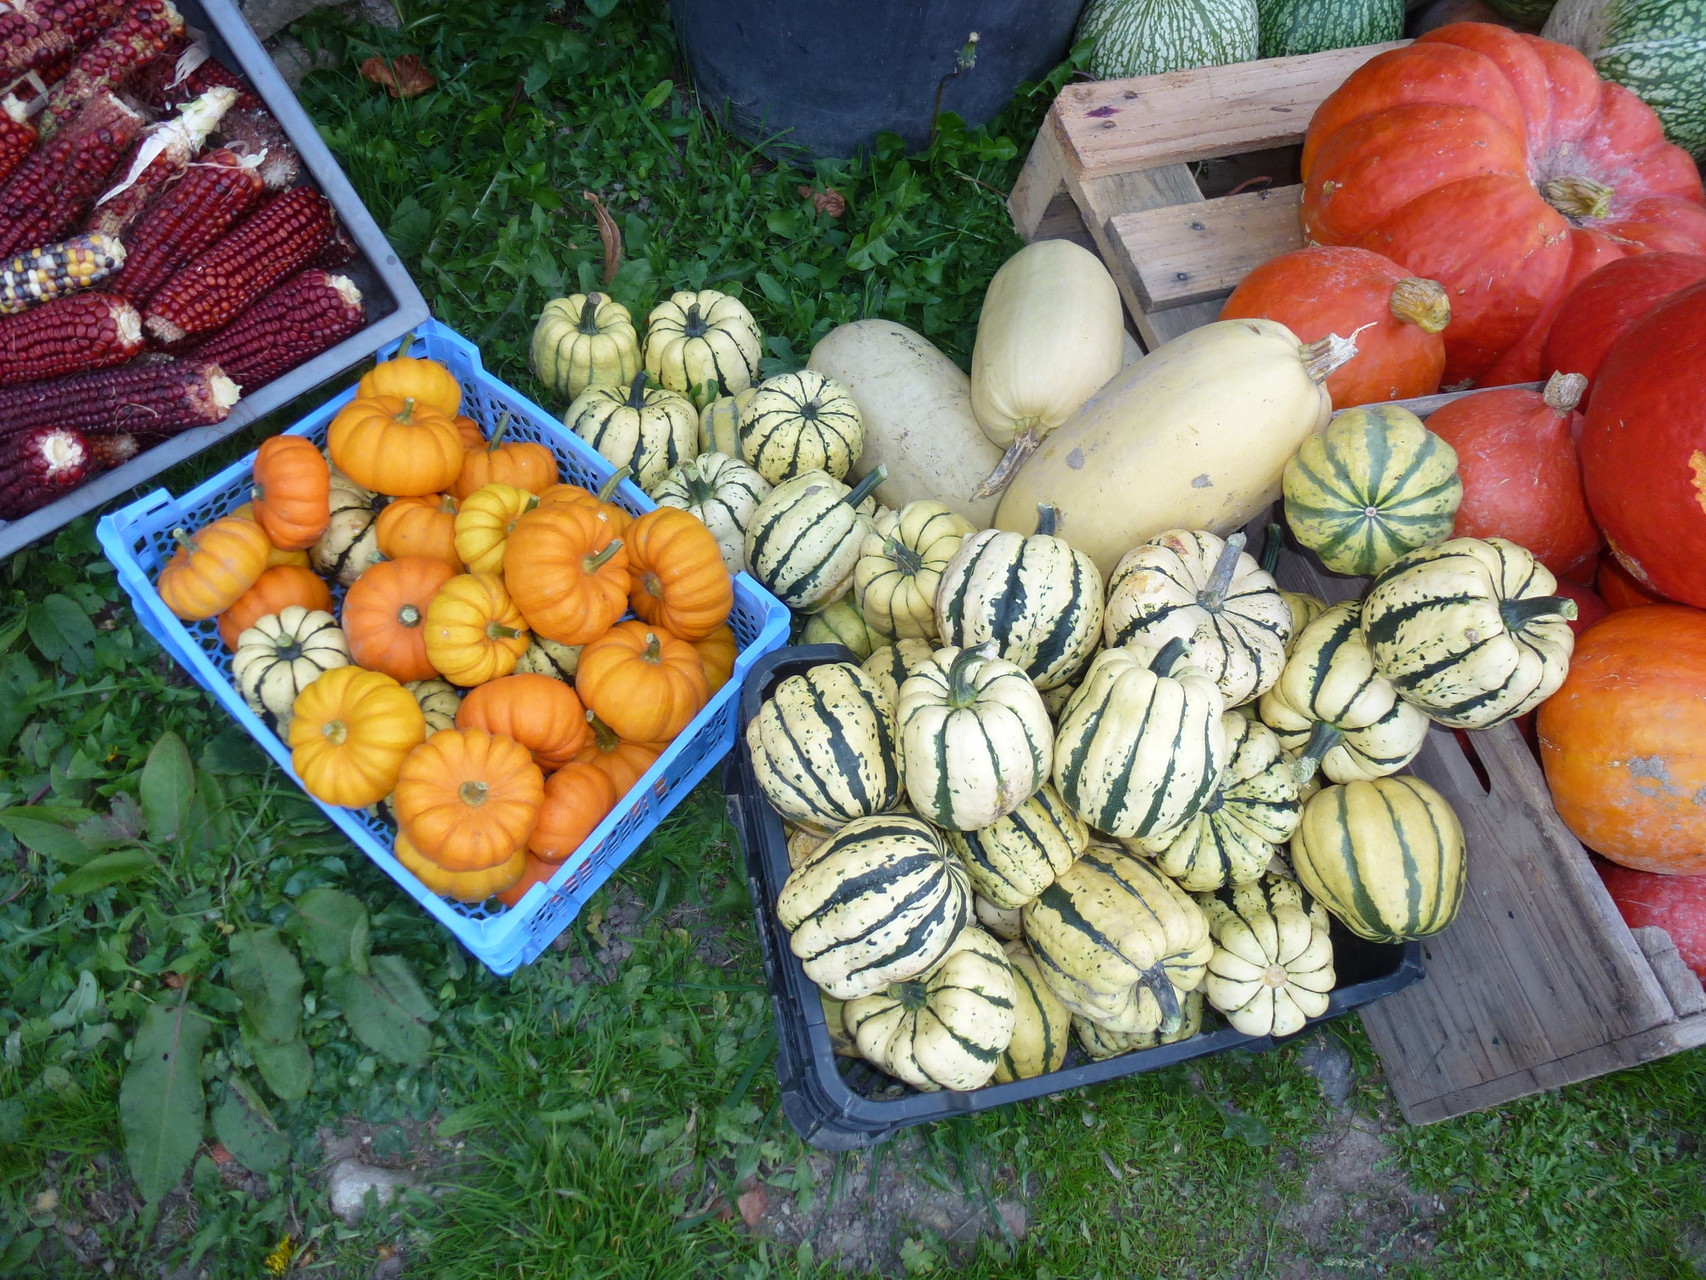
[160, 155]
[272, 245]
[304, 316]
[107, 452]
[135, 39]
[54, 187]
[185, 219]
[39, 465]
[73, 335]
[37, 33]
[340, 250]
[17, 136]
[258, 133]
[165, 85]
[158, 396]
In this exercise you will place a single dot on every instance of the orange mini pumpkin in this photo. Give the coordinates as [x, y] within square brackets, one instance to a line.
[568, 572]
[626, 762]
[468, 799]
[278, 587]
[395, 445]
[572, 495]
[680, 581]
[210, 571]
[717, 653]
[521, 463]
[384, 616]
[577, 798]
[278, 555]
[537, 872]
[464, 886]
[292, 492]
[474, 632]
[472, 436]
[542, 714]
[423, 525]
[642, 682]
[414, 377]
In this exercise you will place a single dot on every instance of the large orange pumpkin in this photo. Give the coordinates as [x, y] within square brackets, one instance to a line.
[624, 761]
[1623, 740]
[642, 682]
[521, 463]
[1500, 165]
[384, 616]
[577, 798]
[542, 714]
[567, 572]
[468, 799]
[395, 446]
[680, 581]
[423, 525]
[1607, 304]
[275, 590]
[210, 571]
[292, 492]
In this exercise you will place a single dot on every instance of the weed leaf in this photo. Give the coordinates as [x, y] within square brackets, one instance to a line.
[248, 1132]
[168, 786]
[160, 1102]
[334, 925]
[263, 972]
[46, 838]
[61, 632]
[232, 751]
[108, 869]
[386, 1009]
[287, 1066]
[123, 825]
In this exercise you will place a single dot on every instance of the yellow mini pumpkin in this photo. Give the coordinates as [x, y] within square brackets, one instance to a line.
[474, 632]
[350, 732]
[484, 522]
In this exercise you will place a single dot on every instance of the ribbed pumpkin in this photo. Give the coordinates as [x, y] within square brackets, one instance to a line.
[800, 422]
[350, 544]
[1036, 597]
[275, 556]
[484, 522]
[900, 567]
[420, 526]
[723, 492]
[211, 571]
[1333, 710]
[1017, 856]
[804, 539]
[624, 761]
[890, 665]
[679, 582]
[291, 492]
[1254, 810]
[1118, 942]
[464, 886]
[1272, 967]
[1141, 745]
[438, 701]
[1375, 484]
[842, 623]
[1042, 1025]
[568, 572]
[703, 345]
[584, 340]
[1470, 631]
[395, 445]
[526, 464]
[548, 658]
[717, 654]
[1398, 319]
[824, 747]
[384, 616]
[277, 588]
[1212, 595]
[350, 731]
[603, 502]
[1100, 1044]
[646, 429]
[542, 714]
[468, 799]
[577, 798]
[720, 423]
[1385, 857]
[281, 655]
[975, 738]
[881, 901]
[642, 681]
[425, 379]
[944, 1029]
[474, 632]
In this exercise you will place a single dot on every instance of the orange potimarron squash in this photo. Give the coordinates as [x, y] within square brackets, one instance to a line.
[1618, 588]
[1602, 307]
[485, 521]
[577, 798]
[385, 612]
[424, 525]
[395, 446]
[1501, 166]
[521, 463]
[642, 681]
[464, 886]
[680, 581]
[414, 377]
[717, 653]
[536, 872]
[1522, 478]
[1398, 319]
[474, 632]
[275, 590]
[574, 496]
[292, 492]
[1623, 741]
[624, 761]
[468, 799]
[350, 732]
[568, 572]
[542, 714]
[210, 571]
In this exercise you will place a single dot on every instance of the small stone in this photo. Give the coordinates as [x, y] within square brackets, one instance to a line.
[1327, 1059]
[293, 60]
[1016, 1218]
[351, 1180]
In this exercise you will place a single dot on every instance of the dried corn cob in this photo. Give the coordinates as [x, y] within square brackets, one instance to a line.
[272, 245]
[52, 190]
[160, 155]
[38, 33]
[17, 136]
[183, 71]
[138, 37]
[74, 335]
[304, 316]
[340, 250]
[109, 451]
[161, 397]
[42, 275]
[39, 465]
[258, 133]
[185, 219]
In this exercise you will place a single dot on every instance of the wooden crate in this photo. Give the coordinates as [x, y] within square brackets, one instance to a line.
[1538, 983]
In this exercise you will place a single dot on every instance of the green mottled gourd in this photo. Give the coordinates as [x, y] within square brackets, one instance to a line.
[1149, 37]
[1290, 27]
[1654, 47]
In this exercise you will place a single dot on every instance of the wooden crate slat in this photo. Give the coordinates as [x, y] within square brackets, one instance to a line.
[1682, 988]
[1199, 253]
[1100, 199]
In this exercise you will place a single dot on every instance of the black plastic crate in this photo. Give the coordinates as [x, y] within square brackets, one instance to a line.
[394, 305]
[841, 1104]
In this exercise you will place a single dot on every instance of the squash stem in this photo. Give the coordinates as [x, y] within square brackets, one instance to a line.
[608, 488]
[1170, 655]
[1323, 737]
[1048, 519]
[598, 559]
[1272, 544]
[1563, 392]
[1024, 445]
[408, 413]
[859, 492]
[961, 693]
[498, 433]
[637, 391]
[403, 346]
[910, 563]
[588, 322]
[409, 615]
[1161, 987]
[1578, 198]
[1321, 358]
[1423, 303]
[497, 631]
[1213, 596]
[1517, 614]
[472, 792]
[336, 732]
[693, 324]
[654, 649]
[606, 736]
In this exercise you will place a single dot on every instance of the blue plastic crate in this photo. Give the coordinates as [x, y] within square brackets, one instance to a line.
[137, 539]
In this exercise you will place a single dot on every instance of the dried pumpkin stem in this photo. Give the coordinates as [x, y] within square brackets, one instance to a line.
[606, 736]
[1577, 198]
[654, 649]
[336, 732]
[409, 615]
[1564, 391]
[1321, 358]
[596, 560]
[1220, 580]
[408, 413]
[1028, 434]
[1423, 303]
[472, 792]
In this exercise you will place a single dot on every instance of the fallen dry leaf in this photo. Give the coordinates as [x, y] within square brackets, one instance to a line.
[829, 200]
[405, 77]
[218, 1154]
[753, 1202]
[611, 235]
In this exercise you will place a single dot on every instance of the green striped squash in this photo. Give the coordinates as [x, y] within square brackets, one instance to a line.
[945, 1029]
[835, 1022]
[1305, 608]
[702, 345]
[1375, 484]
[975, 738]
[723, 492]
[824, 749]
[1099, 1043]
[349, 545]
[646, 429]
[1118, 942]
[281, 655]
[1288, 27]
[1148, 37]
[1141, 745]
[891, 665]
[1272, 966]
[550, 658]
[1003, 922]
[880, 901]
[1254, 810]
[1470, 631]
[720, 423]
[584, 340]
[1017, 856]
[841, 623]
[901, 563]
[1655, 47]
[800, 422]
[1209, 593]
[438, 701]
[1334, 711]
[804, 539]
[1041, 1023]
[1036, 597]
[1385, 857]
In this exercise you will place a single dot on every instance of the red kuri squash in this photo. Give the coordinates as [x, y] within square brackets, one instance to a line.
[1601, 308]
[1676, 904]
[1619, 590]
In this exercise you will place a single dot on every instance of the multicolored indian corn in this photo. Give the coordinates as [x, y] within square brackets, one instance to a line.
[74, 335]
[41, 275]
[304, 316]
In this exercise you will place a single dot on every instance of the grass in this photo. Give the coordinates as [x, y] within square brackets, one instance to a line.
[604, 1111]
